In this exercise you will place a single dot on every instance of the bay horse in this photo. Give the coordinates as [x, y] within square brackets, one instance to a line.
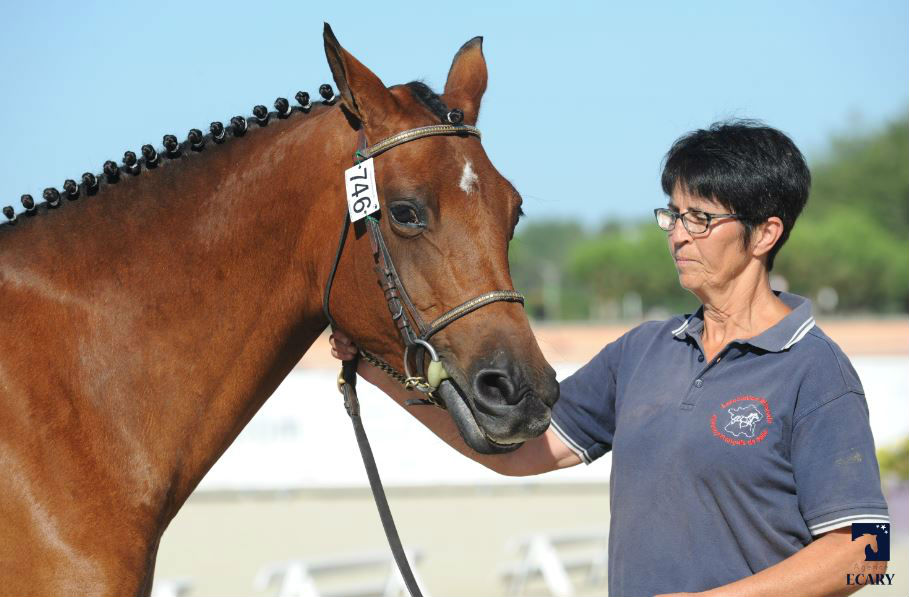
[147, 316]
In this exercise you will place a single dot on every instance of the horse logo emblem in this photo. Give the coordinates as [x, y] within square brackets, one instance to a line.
[746, 421]
[742, 420]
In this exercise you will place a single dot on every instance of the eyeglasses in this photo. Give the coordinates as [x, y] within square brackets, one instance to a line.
[694, 220]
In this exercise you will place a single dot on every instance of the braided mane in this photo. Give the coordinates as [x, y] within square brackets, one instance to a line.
[93, 184]
[195, 142]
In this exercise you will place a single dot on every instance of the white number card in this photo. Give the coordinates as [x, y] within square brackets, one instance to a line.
[362, 195]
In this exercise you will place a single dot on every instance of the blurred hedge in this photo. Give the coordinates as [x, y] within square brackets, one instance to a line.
[894, 461]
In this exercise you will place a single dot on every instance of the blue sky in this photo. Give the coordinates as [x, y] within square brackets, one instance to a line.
[583, 99]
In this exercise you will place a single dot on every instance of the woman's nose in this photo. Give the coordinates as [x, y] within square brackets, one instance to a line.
[679, 235]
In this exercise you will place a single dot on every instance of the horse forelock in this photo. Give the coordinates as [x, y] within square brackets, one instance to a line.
[429, 98]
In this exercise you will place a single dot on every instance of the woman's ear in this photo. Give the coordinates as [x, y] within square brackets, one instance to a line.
[466, 81]
[765, 236]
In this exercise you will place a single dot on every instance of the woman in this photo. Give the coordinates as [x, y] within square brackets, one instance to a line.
[741, 446]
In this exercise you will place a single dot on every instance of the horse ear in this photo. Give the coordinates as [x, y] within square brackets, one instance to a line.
[467, 80]
[362, 92]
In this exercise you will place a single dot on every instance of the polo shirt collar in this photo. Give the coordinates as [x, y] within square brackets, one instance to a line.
[778, 338]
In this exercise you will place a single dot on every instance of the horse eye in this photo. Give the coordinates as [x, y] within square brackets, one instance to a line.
[405, 214]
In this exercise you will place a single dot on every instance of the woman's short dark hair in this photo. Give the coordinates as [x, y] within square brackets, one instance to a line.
[749, 168]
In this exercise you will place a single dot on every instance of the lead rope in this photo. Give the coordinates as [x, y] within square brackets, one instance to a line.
[347, 385]
[348, 377]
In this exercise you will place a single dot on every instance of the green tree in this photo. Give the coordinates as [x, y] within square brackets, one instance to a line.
[537, 256]
[854, 234]
[632, 261]
[849, 250]
[867, 171]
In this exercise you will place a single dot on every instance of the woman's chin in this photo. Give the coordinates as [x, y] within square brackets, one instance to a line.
[689, 281]
[693, 284]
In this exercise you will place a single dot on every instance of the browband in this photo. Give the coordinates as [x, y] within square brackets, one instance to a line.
[417, 133]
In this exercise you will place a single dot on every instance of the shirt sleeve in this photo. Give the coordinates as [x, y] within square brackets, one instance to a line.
[835, 466]
[584, 415]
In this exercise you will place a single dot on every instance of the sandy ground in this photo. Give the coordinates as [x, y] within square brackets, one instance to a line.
[219, 542]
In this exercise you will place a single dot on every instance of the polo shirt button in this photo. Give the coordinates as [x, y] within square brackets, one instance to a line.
[698, 383]
[700, 358]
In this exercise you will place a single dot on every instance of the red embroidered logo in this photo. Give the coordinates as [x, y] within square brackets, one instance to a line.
[742, 417]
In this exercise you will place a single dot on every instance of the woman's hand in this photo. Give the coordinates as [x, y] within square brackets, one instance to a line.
[544, 453]
[342, 347]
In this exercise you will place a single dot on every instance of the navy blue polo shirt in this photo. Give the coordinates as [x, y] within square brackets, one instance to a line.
[723, 468]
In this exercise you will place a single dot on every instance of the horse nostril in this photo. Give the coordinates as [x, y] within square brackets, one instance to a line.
[496, 387]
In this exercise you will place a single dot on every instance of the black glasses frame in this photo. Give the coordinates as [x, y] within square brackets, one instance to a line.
[710, 217]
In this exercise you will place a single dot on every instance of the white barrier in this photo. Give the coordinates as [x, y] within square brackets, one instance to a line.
[545, 555]
[299, 578]
[171, 587]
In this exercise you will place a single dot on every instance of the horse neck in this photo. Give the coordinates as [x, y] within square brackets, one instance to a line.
[279, 262]
[273, 237]
[197, 298]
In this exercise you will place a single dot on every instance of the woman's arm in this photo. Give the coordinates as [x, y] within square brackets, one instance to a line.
[539, 455]
[819, 569]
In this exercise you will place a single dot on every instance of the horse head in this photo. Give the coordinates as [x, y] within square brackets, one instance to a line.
[447, 216]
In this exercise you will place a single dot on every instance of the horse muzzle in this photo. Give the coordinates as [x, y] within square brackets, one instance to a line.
[499, 411]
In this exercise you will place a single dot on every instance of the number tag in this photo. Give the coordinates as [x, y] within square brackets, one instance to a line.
[362, 195]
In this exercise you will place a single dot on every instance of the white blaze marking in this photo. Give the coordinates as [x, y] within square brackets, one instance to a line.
[468, 178]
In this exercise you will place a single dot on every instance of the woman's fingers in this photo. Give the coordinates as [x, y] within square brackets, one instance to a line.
[341, 346]
[339, 341]
[343, 349]
[341, 356]
[341, 337]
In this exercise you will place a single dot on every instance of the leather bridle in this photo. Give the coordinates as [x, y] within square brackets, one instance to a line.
[415, 334]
